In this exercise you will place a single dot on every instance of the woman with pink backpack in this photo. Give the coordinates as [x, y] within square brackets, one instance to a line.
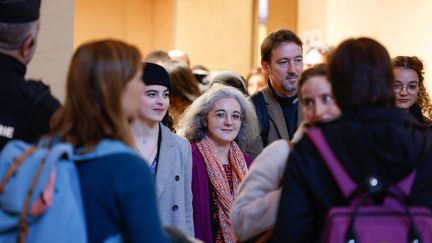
[375, 147]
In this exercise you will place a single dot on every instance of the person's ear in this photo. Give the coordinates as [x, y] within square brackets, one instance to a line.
[204, 123]
[266, 66]
[26, 47]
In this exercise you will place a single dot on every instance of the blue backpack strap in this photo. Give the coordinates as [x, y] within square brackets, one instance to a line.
[23, 224]
[261, 111]
[14, 166]
[344, 181]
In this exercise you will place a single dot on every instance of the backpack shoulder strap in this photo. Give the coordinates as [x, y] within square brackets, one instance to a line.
[344, 181]
[14, 166]
[406, 183]
[261, 111]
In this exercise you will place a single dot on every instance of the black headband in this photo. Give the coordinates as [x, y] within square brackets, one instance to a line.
[154, 74]
[19, 11]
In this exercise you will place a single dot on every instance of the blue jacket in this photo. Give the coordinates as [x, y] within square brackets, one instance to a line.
[118, 195]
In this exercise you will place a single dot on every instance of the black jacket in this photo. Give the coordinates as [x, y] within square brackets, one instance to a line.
[386, 142]
[415, 110]
[25, 106]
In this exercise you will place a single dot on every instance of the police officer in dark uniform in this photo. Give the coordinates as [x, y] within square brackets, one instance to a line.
[25, 106]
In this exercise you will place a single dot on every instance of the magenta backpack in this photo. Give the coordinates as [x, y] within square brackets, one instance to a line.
[392, 221]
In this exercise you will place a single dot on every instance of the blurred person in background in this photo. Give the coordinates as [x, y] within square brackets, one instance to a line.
[184, 88]
[202, 75]
[157, 57]
[256, 80]
[179, 55]
[230, 78]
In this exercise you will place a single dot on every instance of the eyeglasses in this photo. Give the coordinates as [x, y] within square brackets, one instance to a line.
[222, 116]
[411, 88]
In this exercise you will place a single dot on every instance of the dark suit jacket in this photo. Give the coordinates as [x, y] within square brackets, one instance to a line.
[278, 127]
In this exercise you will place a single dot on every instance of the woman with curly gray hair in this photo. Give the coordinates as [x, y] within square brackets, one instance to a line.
[218, 123]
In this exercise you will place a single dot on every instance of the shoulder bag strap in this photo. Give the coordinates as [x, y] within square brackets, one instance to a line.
[406, 184]
[344, 181]
[23, 225]
[15, 165]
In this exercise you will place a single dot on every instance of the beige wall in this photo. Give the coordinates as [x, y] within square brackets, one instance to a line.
[216, 34]
[55, 45]
[312, 20]
[219, 34]
[400, 26]
[163, 26]
[282, 14]
[147, 24]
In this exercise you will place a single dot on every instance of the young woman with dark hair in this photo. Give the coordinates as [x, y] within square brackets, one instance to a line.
[168, 155]
[371, 138]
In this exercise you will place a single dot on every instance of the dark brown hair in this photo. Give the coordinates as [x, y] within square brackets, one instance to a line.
[361, 74]
[185, 85]
[98, 74]
[274, 39]
[317, 70]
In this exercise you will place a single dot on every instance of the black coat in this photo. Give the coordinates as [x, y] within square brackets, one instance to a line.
[386, 142]
[25, 106]
[415, 110]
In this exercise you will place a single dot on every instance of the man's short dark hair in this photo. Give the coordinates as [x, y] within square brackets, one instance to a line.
[361, 74]
[274, 39]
